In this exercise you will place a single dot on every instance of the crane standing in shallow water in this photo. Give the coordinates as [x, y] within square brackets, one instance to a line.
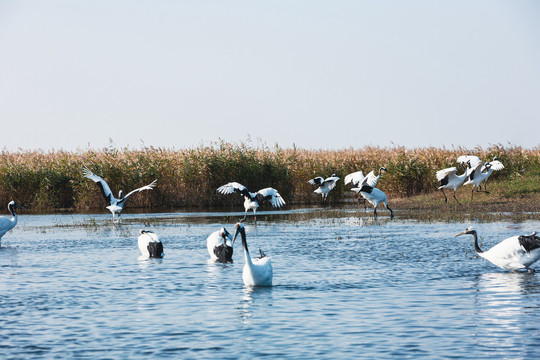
[150, 245]
[358, 180]
[258, 271]
[374, 196]
[514, 253]
[219, 246]
[7, 224]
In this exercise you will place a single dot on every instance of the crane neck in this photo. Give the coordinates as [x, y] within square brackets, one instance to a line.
[12, 211]
[245, 247]
[476, 246]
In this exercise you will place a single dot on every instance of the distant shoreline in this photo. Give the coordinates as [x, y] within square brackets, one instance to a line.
[53, 181]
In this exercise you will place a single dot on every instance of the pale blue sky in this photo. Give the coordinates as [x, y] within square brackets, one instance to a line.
[320, 74]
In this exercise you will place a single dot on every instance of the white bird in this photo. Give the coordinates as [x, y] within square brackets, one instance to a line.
[253, 200]
[485, 172]
[150, 245]
[355, 178]
[325, 185]
[7, 224]
[219, 246]
[258, 271]
[468, 161]
[374, 196]
[514, 253]
[115, 205]
[448, 179]
[481, 173]
[371, 179]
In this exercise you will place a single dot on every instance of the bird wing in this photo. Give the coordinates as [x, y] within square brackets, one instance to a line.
[330, 182]
[272, 195]
[441, 174]
[474, 173]
[496, 165]
[234, 187]
[529, 242]
[371, 179]
[474, 160]
[104, 187]
[317, 181]
[146, 187]
[355, 178]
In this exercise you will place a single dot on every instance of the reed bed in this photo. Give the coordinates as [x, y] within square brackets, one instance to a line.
[53, 180]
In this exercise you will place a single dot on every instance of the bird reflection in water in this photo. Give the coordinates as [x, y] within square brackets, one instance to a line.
[254, 300]
[504, 300]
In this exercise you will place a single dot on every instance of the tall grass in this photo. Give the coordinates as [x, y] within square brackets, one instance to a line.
[186, 178]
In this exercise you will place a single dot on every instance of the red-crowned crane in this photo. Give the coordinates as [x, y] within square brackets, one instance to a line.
[374, 196]
[219, 245]
[253, 200]
[325, 185]
[481, 174]
[448, 179]
[7, 224]
[150, 245]
[115, 205]
[514, 253]
[257, 271]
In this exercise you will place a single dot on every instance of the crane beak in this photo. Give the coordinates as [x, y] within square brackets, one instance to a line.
[235, 234]
[239, 229]
[461, 233]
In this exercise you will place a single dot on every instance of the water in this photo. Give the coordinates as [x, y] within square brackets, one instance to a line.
[345, 287]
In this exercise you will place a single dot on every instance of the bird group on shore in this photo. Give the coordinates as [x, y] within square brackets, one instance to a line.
[475, 172]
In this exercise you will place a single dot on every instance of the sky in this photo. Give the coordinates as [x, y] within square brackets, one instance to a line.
[315, 74]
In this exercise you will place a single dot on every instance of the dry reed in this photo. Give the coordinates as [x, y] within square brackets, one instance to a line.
[189, 178]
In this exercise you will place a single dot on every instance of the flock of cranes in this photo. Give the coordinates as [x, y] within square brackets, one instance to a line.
[475, 173]
[517, 252]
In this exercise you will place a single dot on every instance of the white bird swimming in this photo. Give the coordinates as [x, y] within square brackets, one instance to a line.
[115, 205]
[253, 200]
[374, 196]
[325, 185]
[150, 245]
[7, 224]
[448, 179]
[258, 271]
[220, 246]
[514, 253]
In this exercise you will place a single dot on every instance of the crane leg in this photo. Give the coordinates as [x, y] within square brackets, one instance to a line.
[391, 212]
[472, 193]
[375, 211]
[445, 198]
[456, 199]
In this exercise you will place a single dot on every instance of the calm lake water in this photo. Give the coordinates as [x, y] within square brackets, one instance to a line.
[345, 287]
